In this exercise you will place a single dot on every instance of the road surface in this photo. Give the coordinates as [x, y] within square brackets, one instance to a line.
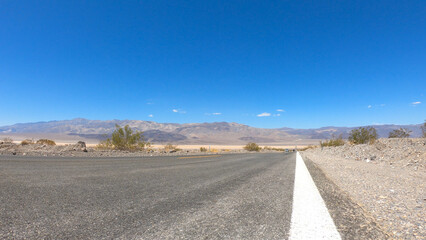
[234, 196]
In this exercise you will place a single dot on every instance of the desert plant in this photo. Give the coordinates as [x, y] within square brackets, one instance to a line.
[46, 142]
[363, 135]
[171, 148]
[7, 140]
[27, 142]
[273, 149]
[124, 139]
[251, 146]
[424, 129]
[400, 133]
[203, 149]
[333, 142]
[306, 148]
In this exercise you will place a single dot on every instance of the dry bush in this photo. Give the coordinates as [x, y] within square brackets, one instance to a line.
[252, 147]
[46, 142]
[274, 149]
[27, 142]
[7, 140]
[306, 148]
[203, 149]
[171, 148]
[363, 135]
[400, 133]
[333, 142]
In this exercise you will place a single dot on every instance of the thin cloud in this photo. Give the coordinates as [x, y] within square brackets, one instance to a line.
[214, 114]
[280, 110]
[376, 105]
[151, 115]
[415, 103]
[277, 115]
[265, 114]
[178, 111]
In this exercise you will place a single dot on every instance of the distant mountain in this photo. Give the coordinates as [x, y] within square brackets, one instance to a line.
[190, 133]
[326, 132]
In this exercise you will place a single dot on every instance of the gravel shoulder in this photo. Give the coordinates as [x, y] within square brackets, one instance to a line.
[387, 179]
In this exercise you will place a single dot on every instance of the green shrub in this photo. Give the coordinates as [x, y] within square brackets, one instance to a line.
[252, 147]
[124, 139]
[333, 142]
[400, 133]
[46, 142]
[363, 135]
[203, 149]
[27, 142]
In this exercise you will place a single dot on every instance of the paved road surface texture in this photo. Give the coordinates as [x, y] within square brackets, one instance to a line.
[235, 196]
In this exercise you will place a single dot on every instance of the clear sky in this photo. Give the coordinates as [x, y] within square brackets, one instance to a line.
[301, 64]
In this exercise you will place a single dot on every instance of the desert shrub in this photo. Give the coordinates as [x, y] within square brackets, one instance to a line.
[252, 147]
[333, 142]
[424, 129]
[273, 149]
[46, 142]
[124, 139]
[7, 140]
[306, 148]
[363, 135]
[203, 149]
[27, 142]
[400, 133]
[171, 148]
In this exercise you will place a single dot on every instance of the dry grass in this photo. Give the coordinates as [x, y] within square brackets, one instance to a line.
[46, 142]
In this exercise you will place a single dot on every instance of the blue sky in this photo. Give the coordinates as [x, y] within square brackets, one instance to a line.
[301, 64]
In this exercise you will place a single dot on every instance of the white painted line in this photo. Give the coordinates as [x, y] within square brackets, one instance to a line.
[310, 218]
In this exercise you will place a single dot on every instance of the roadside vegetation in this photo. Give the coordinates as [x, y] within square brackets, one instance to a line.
[252, 147]
[306, 148]
[274, 149]
[124, 138]
[171, 148]
[363, 135]
[46, 142]
[27, 142]
[7, 140]
[400, 133]
[203, 149]
[333, 142]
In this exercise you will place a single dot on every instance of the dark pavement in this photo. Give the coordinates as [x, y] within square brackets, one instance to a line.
[245, 196]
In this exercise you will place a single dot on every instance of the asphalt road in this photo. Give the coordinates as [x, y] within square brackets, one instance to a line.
[242, 196]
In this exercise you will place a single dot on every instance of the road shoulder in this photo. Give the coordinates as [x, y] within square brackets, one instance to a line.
[351, 220]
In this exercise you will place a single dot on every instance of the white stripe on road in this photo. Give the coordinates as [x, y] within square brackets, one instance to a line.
[310, 218]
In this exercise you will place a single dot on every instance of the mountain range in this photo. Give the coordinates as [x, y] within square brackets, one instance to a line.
[189, 133]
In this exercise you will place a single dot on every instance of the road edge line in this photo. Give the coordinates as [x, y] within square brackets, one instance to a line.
[310, 218]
